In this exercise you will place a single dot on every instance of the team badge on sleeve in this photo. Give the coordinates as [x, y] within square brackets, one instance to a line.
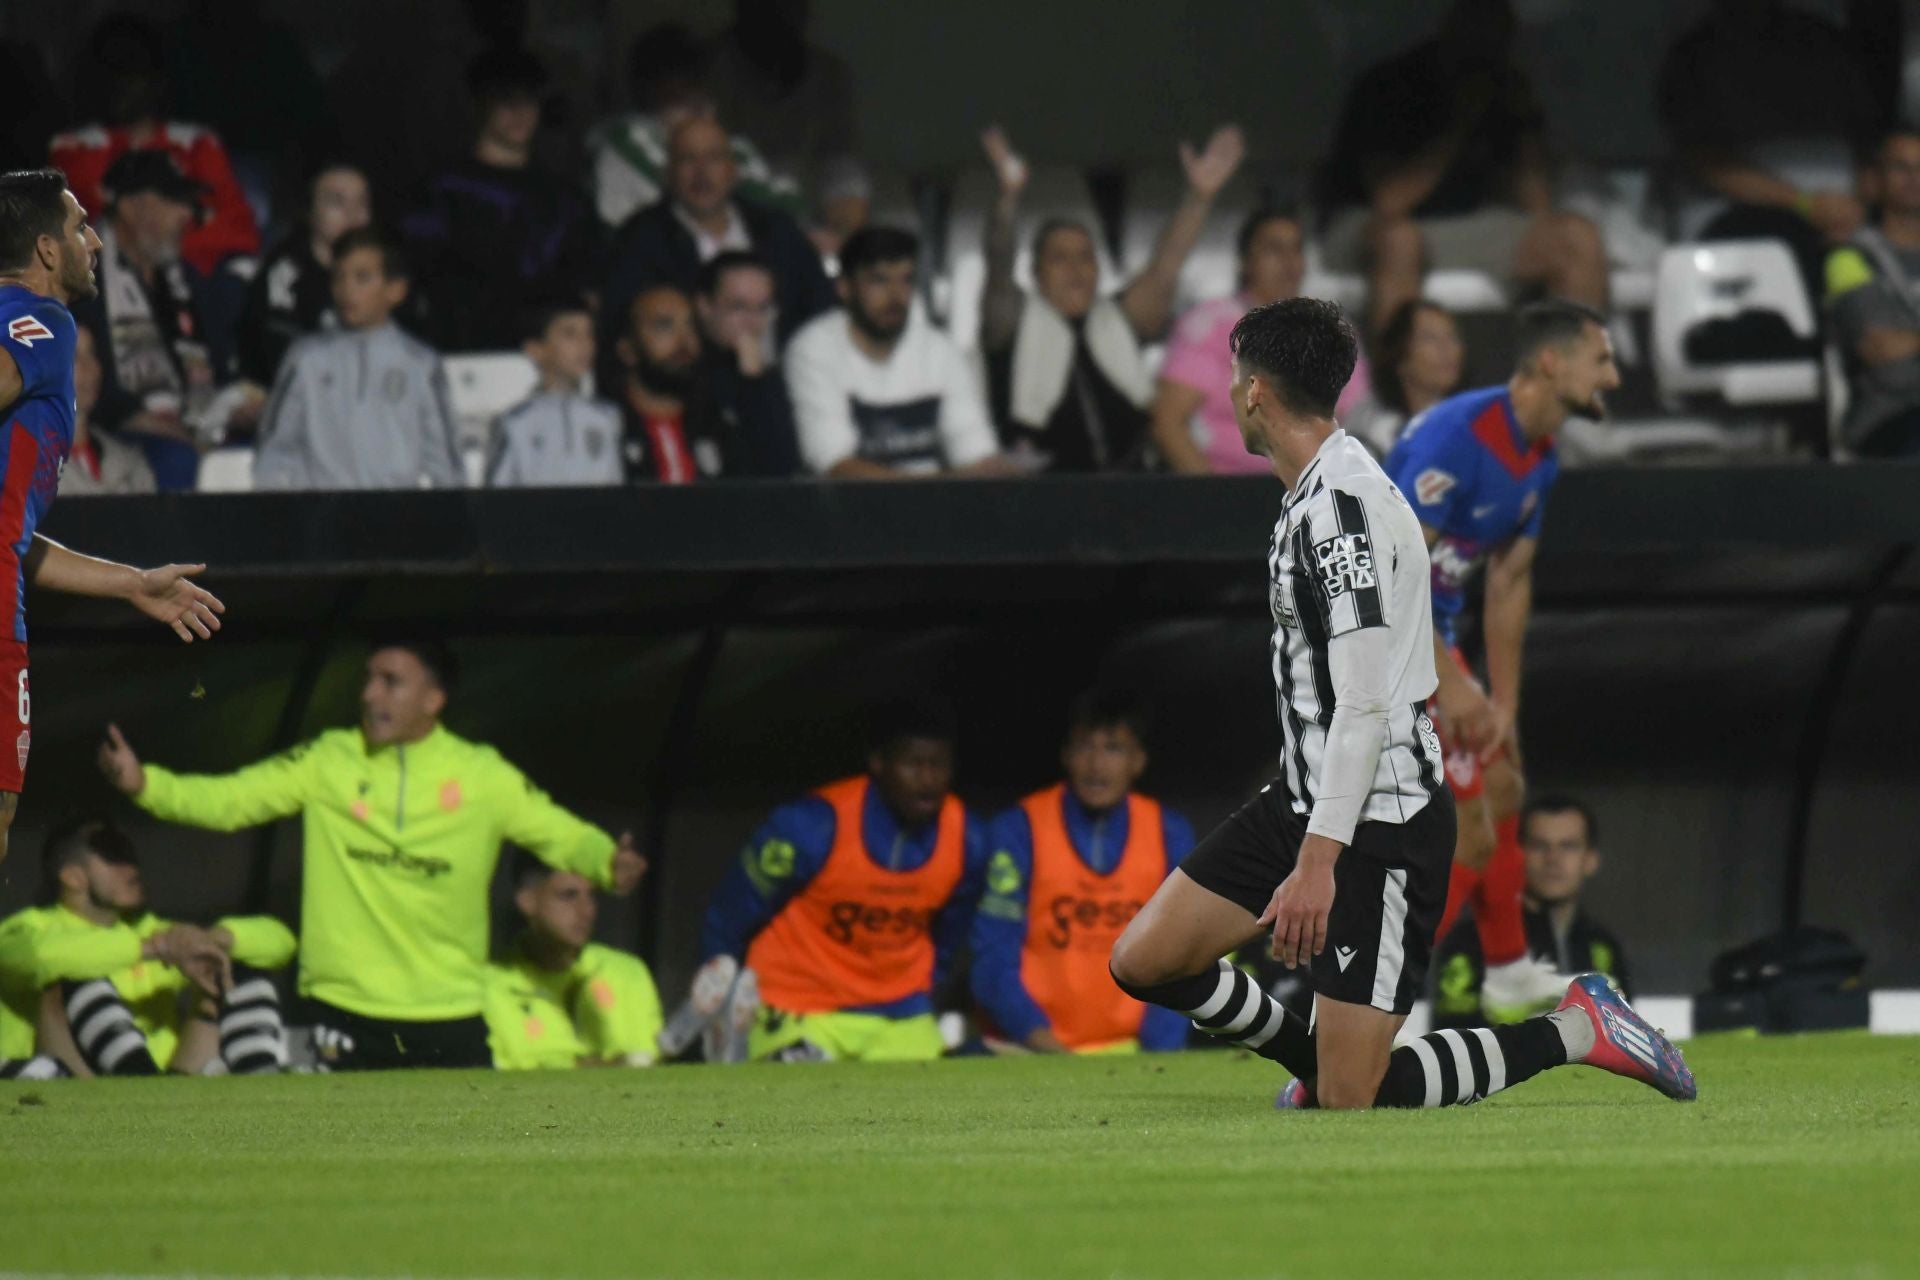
[27, 330]
[1432, 485]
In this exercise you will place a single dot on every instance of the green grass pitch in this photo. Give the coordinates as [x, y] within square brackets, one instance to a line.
[1802, 1158]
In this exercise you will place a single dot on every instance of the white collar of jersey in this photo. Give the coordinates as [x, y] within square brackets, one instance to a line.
[1299, 489]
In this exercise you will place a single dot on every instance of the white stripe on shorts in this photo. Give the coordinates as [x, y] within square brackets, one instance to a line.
[1393, 950]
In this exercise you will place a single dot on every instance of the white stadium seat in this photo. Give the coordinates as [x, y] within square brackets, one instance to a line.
[1700, 283]
[228, 470]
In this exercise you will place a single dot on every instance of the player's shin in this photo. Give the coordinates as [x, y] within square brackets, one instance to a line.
[253, 1035]
[104, 1031]
[1498, 912]
[1224, 1002]
[1455, 1066]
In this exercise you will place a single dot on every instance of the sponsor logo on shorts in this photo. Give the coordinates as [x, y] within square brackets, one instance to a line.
[1345, 956]
[21, 746]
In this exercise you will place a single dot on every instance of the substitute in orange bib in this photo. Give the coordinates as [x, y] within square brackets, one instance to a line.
[847, 906]
[1070, 866]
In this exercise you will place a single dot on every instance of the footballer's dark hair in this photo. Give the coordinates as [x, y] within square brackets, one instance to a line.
[70, 840]
[30, 207]
[1304, 348]
[432, 653]
[393, 259]
[1551, 322]
[923, 718]
[871, 246]
[1104, 708]
[1554, 802]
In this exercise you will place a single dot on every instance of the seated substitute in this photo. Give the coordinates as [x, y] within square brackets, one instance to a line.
[98, 983]
[1071, 865]
[401, 827]
[1562, 843]
[558, 999]
[849, 905]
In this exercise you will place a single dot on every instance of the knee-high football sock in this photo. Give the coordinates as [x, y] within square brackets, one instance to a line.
[1497, 909]
[38, 1067]
[104, 1031]
[253, 1037]
[1462, 880]
[1447, 1067]
[1225, 1002]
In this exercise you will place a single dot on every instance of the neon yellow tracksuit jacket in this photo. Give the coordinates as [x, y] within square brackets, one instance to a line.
[400, 844]
[602, 1006]
[45, 945]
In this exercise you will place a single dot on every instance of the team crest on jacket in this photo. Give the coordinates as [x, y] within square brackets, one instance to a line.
[450, 797]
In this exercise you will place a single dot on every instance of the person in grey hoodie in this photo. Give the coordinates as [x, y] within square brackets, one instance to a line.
[559, 435]
[364, 406]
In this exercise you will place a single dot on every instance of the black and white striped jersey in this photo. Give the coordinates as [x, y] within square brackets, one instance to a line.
[1348, 567]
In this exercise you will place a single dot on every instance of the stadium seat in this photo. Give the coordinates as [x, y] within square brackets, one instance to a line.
[1699, 284]
[228, 470]
[483, 385]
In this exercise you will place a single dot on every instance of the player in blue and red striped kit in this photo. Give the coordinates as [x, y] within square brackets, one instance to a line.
[1477, 469]
[47, 258]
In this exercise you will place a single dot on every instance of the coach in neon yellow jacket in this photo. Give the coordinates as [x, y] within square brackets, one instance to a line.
[402, 824]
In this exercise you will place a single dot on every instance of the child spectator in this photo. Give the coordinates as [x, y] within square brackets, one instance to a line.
[559, 435]
[365, 406]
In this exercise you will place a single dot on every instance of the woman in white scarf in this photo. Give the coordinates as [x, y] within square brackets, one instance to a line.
[1066, 360]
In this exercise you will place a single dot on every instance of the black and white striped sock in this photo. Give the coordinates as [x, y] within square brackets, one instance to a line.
[1457, 1066]
[104, 1030]
[1224, 1002]
[253, 1036]
[38, 1067]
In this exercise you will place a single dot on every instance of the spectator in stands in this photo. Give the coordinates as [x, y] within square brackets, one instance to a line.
[1419, 361]
[558, 999]
[402, 824]
[1758, 99]
[292, 293]
[558, 436]
[878, 392]
[1562, 843]
[99, 983]
[1071, 865]
[1192, 415]
[1064, 363]
[363, 406]
[849, 905]
[122, 74]
[740, 371]
[703, 215]
[1873, 292]
[666, 77]
[671, 435]
[1439, 160]
[495, 232]
[787, 93]
[158, 384]
[100, 461]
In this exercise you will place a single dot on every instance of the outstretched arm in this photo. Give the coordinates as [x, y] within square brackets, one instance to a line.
[1148, 297]
[163, 594]
[1000, 298]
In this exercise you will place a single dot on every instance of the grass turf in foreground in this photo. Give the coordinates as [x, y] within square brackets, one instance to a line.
[1802, 1158]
